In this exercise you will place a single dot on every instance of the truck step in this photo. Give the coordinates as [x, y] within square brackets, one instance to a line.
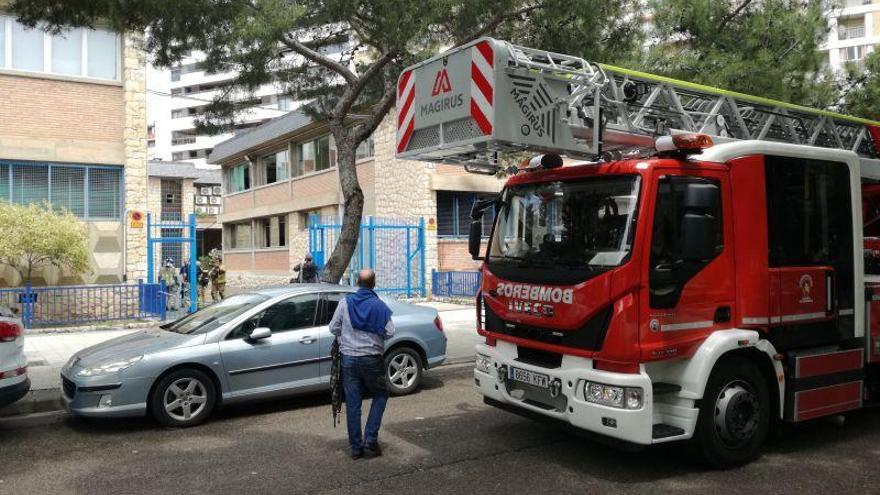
[664, 388]
[666, 431]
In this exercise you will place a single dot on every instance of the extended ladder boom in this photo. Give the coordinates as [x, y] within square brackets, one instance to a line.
[490, 96]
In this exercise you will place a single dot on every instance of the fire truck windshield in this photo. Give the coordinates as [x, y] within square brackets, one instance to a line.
[580, 224]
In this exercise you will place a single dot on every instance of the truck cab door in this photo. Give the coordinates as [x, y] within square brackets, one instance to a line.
[690, 289]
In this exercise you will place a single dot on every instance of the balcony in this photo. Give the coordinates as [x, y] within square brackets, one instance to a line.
[851, 33]
[186, 140]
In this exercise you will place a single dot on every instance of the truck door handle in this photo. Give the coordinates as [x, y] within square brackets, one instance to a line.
[307, 340]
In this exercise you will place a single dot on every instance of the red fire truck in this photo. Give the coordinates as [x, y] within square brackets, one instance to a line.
[693, 269]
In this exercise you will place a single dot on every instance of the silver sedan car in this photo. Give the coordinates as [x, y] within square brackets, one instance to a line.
[257, 345]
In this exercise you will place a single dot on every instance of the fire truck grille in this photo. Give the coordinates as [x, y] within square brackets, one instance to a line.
[589, 337]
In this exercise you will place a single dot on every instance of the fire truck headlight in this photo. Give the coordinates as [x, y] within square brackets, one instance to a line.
[609, 395]
[633, 398]
[483, 363]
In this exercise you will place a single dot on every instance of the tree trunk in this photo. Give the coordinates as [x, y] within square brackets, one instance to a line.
[353, 205]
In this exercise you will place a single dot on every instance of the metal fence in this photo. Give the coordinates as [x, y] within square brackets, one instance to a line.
[78, 304]
[455, 284]
[393, 247]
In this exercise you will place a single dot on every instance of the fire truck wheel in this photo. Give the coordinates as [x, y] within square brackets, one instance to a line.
[734, 414]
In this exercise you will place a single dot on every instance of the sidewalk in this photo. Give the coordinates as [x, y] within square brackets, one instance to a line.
[49, 351]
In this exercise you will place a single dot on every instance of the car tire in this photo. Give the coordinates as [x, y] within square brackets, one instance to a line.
[183, 398]
[403, 370]
[734, 415]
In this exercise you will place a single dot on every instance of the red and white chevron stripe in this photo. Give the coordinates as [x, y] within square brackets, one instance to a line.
[406, 110]
[483, 85]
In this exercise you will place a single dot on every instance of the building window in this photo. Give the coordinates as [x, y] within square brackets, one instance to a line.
[78, 52]
[90, 193]
[240, 178]
[366, 149]
[239, 236]
[67, 53]
[27, 48]
[275, 166]
[273, 232]
[313, 156]
[454, 213]
[285, 103]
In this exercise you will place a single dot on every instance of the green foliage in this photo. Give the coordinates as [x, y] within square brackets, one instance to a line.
[36, 236]
[861, 88]
[767, 48]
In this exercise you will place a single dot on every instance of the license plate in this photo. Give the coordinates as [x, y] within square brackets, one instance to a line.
[530, 377]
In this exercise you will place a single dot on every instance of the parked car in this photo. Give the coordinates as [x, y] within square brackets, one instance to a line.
[14, 381]
[257, 345]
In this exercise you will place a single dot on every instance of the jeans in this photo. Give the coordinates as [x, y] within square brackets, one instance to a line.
[361, 374]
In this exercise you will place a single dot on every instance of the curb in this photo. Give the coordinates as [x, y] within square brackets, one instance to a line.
[35, 401]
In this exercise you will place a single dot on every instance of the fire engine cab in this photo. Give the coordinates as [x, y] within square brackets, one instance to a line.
[693, 269]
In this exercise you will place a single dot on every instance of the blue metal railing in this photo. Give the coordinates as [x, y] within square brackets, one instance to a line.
[455, 284]
[78, 304]
[393, 247]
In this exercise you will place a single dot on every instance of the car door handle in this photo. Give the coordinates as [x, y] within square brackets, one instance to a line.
[307, 340]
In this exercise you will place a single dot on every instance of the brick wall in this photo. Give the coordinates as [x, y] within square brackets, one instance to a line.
[453, 256]
[50, 109]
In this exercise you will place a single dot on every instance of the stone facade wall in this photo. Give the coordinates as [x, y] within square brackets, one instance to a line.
[134, 139]
[403, 187]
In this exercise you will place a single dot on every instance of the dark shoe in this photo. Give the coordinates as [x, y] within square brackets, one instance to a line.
[356, 454]
[372, 450]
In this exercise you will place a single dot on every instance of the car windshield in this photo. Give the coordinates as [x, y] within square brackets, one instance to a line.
[585, 223]
[213, 316]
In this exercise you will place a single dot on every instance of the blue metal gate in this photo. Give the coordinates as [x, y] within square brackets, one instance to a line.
[176, 240]
[394, 248]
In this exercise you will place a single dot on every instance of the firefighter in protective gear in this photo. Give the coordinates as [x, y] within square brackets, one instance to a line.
[203, 279]
[217, 274]
[168, 275]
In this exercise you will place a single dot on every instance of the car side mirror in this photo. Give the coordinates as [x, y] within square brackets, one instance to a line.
[260, 333]
[475, 239]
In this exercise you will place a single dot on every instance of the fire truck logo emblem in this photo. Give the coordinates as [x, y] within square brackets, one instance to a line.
[441, 83]
[806, 283]
[654, 325]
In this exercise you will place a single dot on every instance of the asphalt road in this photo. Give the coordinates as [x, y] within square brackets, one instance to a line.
[440, 440]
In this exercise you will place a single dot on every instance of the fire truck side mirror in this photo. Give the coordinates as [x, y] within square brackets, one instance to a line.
[475, 238]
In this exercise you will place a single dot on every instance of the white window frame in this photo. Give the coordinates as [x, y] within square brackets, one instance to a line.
[7, 68]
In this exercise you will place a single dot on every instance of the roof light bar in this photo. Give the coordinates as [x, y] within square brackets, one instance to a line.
[687, 143]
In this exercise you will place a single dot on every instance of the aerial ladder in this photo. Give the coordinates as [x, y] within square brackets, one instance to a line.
[492, 97]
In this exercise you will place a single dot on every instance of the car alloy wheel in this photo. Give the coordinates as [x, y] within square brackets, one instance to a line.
[403, 370]
[185, 399]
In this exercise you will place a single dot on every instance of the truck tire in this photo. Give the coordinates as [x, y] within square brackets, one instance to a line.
[734, 414]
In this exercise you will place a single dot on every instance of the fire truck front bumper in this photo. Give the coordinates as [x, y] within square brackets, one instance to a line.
[616, 405]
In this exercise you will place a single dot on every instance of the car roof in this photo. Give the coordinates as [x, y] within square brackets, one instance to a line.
[291, 289]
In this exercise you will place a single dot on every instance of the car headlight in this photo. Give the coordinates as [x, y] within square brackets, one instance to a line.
[608, 395]
[483, 363]
[108, 368]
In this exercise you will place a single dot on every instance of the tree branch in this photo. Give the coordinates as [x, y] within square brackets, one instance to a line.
[497, 21]
[377, 114]
[354, 90]
[291, 42]
[729, 17]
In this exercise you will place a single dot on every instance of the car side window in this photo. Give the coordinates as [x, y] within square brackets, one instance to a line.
[331, 302]
[291, 314]
[245, 329]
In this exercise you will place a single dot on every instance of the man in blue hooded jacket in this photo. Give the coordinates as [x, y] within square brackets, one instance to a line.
[362, 323]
